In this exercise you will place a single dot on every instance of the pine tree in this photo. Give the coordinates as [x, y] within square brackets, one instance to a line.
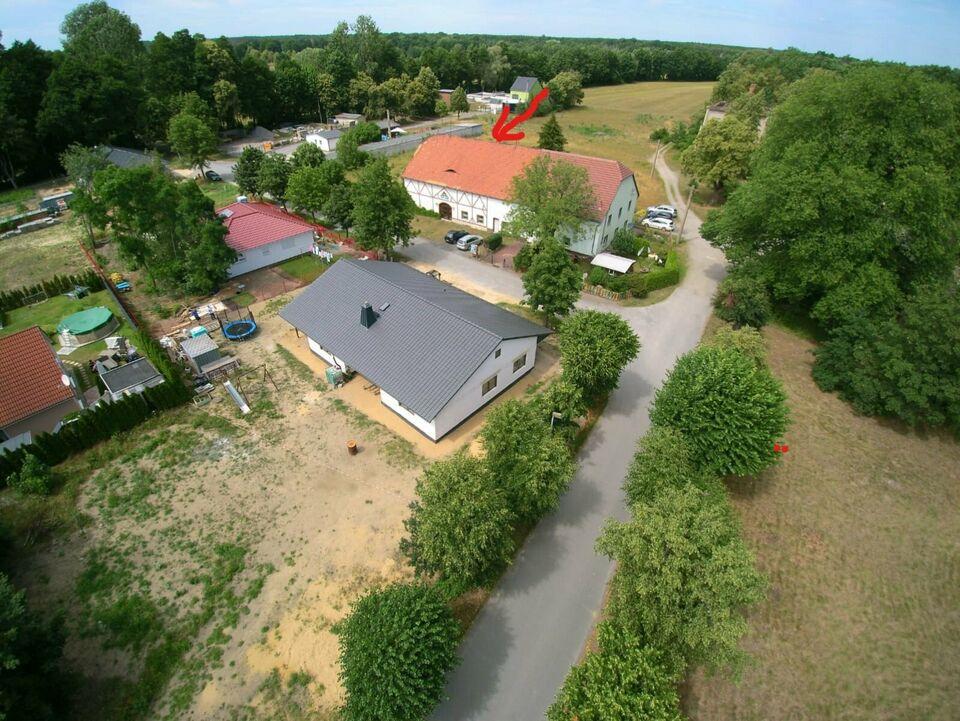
[551, 136]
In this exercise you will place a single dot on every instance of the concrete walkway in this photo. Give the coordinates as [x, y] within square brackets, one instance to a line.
[533, 628]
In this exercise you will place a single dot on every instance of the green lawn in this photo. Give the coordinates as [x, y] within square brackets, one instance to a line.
[20, 195]
[305, 268]
[222, 193]
[33, 257]
[53, 310]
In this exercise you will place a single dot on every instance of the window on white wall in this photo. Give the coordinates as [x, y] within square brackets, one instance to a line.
[488, 385]
[497, 353]
[519, 362]
[620, 213]
[464, 215]
[479, 218]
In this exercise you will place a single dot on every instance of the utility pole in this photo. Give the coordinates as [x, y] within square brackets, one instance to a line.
[653, 167]
[685, 211]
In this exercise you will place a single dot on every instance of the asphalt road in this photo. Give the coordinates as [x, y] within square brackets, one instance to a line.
[533, 628]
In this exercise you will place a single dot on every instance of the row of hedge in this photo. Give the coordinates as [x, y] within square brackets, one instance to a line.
[640, 284]
[19, 297]
[107, 419]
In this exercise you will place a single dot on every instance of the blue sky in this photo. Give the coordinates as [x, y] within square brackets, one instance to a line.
[913, 31]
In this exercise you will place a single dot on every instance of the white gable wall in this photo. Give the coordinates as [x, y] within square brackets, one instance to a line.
[325, 144]
[272, 253]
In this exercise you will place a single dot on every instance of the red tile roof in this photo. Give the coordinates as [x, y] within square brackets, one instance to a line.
[251, 225]
[30, 376]
[487, 168]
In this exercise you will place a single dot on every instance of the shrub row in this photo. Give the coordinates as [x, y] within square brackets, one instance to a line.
[106, 420]
[640, 284]
[19, 297]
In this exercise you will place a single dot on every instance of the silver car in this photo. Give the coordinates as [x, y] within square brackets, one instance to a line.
[658, 224]
[466, 241]
[663, 209]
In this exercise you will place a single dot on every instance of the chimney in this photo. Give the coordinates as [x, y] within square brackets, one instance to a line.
[367, 315]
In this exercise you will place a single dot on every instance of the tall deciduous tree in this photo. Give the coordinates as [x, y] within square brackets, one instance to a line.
[721, 153]
[192, 139]
[553, 281]
[307, 155]
[226, 99]
[382, 209]
[306, 190]
[566, 89]
[526, 460]
[594, 349]
[459, 526]
[551, 135]
[729, 409]
[274, 176]
[396, 647]
[458, 101]
[81, 165]
[246, 171]
[664, 460]
[551, 198]
[683, 577]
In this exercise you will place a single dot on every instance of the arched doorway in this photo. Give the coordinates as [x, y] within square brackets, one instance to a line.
[446, 212]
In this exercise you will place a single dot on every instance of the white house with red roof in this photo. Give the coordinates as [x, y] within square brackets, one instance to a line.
[35, 390]
[263, 235]
[470, 180]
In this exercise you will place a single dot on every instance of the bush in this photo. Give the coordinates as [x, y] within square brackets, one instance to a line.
[625, 680]
[560, 397]
[626, 243]
[396, 647]
[664, 459]
[730, 410]
[495, 241]
[525, 256]
[597, 276]
[742, 300]
[746, 340]
[459, 526]
[530, 464]
[594, 348]
[33, 478]
[683, 576]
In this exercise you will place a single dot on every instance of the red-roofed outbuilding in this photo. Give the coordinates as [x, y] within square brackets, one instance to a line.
[264, 235]
[469, 181]
[34, 396]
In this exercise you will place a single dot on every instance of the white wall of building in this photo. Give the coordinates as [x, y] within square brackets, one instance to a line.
[490, 213]
[325, 144]
[272, 253]
[470, 397]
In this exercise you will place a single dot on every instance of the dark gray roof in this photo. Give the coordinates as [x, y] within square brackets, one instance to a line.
[523, 84]
[127, 158]
[429, 337]
[129, 375]
[329, 134]
[195, 347]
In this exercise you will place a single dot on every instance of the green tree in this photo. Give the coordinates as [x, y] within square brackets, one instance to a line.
[459, 526]
[226, 99]
[729, 409]
[95, 29]
[721, 152]
[551, 135]
[349, 153]
[422, 93]
[305, 190]
[274, 176]
[625, 243]
[553, 281]
[246, 171]
[192, 139]
[664, 459]
[551, 198]
[367, 132]
[338, 209]
[625, 680]
[530, 464]
[34, 477]
[307, 155]
[81, 164]
[683, 577]
[743, 299]
[458, 101]
[562, 397]
[746, 340]
[566, 89]
[382, 209]
[396, 648]
[594, 348]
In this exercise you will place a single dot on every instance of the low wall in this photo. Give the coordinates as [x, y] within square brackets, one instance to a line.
[405, 143]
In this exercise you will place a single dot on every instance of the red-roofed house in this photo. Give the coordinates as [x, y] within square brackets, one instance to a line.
[33, 395]
[469, 181]
[264, 235]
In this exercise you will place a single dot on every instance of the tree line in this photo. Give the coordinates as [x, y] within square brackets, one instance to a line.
[110, 85]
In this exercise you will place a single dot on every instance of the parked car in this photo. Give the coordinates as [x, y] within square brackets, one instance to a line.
[658, 224]
[669, 209]
[453, 236]
[659, 214]
[467, 240]
[213, 176]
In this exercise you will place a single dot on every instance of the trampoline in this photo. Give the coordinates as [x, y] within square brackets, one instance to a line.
[240, 329]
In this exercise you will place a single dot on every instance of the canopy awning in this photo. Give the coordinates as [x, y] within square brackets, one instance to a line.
[616, 263]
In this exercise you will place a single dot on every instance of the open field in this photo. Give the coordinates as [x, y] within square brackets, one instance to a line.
[858, 532]
[201, 560]
[32, 257]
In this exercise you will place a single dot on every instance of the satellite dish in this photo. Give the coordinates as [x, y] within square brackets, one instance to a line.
[65, 379]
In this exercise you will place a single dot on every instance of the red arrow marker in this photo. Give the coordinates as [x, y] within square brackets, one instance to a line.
[501, 129]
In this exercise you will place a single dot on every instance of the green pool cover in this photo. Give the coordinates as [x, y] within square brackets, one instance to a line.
[86, 321]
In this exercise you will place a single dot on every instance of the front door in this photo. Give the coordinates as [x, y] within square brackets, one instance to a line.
[496, 224]
[446, 212]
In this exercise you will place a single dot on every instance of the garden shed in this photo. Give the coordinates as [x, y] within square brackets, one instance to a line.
[615, 264]
[199, 352]
[130, 378]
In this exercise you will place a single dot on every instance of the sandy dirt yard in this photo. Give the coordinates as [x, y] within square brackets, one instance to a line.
[219, 549]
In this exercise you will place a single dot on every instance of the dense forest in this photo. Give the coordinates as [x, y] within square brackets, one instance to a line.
[108, 84]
